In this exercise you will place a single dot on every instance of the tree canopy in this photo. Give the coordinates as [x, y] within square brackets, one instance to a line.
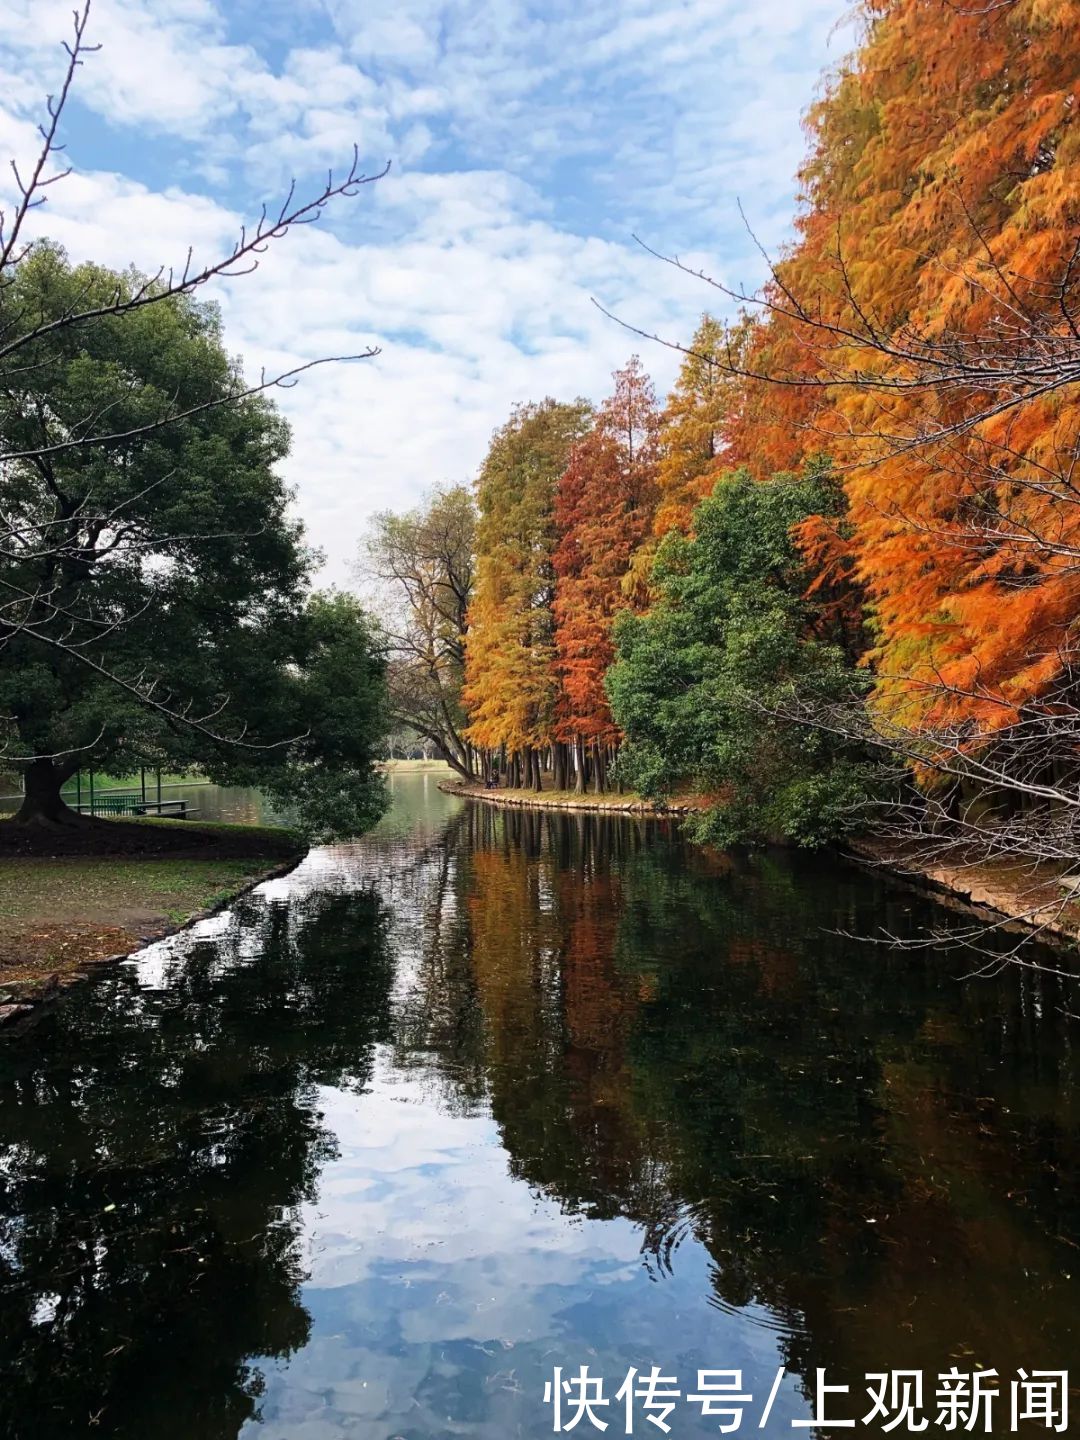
[511, 686]
[604, 509]
[425, 561]
[156, 601]
[700, 683]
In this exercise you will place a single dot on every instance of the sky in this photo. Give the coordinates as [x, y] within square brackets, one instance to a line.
[530, 141]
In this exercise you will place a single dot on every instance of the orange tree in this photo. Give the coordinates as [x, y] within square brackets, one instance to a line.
[603, 511]
[924, 330]
[511, 684]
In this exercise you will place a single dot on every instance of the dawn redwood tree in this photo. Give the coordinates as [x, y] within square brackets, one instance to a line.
[924, 330]
[155, 599]
[511, 685]
[604, 509]
[699, 412]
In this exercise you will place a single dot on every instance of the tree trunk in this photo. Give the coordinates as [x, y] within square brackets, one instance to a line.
[558, 766]
[42, 802]
[599, 768]
[579, 755]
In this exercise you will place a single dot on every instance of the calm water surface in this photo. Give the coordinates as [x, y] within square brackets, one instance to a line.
[489, 1093]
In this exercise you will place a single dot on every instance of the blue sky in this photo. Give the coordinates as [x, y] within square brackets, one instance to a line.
[530, 142]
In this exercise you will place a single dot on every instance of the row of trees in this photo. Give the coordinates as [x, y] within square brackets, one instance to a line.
[502, 630]
[848, 548]
[586, 621]
[156, 598]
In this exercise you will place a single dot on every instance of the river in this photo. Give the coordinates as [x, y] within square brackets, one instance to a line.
[490, 1093]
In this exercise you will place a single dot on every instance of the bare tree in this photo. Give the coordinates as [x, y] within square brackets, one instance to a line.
[424, 563]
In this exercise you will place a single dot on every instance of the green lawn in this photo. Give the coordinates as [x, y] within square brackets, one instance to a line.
[60, 915]
[102, 783]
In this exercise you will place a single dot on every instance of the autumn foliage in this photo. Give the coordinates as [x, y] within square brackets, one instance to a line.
[916, 351]
[511, 687]
[604, 509]
[919, 333]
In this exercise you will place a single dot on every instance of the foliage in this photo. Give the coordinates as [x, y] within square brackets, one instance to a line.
[511, 685]
[330, 694]
[699, 411]
[925, 321]
[731, 639]
[603, 511]
[167, 619]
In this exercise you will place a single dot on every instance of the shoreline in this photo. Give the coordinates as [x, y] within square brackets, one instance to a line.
[22, 1002]
[992, 893]
[1008, 897]
[583, 804]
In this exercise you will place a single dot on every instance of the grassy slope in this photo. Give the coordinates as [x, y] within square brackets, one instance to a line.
[68, 899]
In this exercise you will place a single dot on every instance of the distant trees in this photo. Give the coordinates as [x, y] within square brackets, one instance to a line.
[511, 689]
[918, 599]
[566, 498]
[604, 507]
[426, 561]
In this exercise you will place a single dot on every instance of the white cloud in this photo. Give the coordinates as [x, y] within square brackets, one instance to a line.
[529, 142]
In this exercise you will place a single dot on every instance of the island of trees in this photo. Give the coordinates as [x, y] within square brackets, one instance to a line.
[835, 577]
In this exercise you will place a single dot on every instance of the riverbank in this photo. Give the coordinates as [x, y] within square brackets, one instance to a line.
[413, 767]
[1026, 898]
[71, 900]
[628, 804]
[992, 893]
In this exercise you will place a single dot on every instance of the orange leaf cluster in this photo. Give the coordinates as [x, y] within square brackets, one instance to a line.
[942, 209]
[604, 510]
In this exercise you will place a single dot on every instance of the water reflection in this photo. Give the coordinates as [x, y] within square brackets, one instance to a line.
[491, 1092]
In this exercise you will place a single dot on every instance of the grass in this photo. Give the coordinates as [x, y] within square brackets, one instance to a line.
[564, 797]
[72, 896]
[405, 767]
[59, 915]
[78, 888]
[588, 800]
[147, 836]
[105, 783]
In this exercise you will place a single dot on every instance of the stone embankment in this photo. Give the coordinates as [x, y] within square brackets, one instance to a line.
[568, 800]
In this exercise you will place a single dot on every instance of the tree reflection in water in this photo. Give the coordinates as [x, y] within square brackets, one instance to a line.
[881, 1155]
[875, 1161]
[156, 1146]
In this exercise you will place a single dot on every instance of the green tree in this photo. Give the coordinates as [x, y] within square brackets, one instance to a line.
[703, 683]
[154, 599]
